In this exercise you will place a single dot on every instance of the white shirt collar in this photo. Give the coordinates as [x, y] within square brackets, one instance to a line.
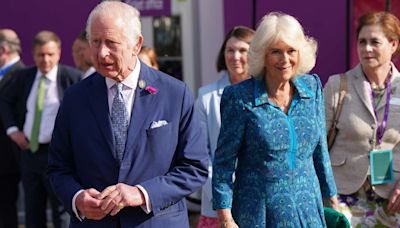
[51, 75]
[130, 81]
[88, 72]
[11, 62]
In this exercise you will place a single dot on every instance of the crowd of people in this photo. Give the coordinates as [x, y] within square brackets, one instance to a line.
[117, 143]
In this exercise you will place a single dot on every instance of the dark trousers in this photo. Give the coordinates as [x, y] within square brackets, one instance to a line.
[37, 189]
[8, 203]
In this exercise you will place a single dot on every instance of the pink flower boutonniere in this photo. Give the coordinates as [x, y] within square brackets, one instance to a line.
[151, 89]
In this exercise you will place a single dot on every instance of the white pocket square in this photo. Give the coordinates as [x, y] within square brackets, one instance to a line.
[156, 124]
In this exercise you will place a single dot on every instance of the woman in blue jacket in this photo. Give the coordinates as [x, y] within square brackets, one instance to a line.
[273, 136]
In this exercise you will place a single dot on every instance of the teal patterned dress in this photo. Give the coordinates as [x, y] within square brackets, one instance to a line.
[280, 162]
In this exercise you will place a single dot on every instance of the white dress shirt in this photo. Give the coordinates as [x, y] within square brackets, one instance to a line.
[128, 92]
[50, 107]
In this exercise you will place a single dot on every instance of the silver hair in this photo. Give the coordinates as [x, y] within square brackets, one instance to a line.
[279, 26]
[9, 38]
[129, 16]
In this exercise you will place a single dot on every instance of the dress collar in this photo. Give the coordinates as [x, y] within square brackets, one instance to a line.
[261, 96]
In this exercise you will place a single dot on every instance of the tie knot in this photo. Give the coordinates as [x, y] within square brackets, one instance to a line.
[119, 87]
[43, 77]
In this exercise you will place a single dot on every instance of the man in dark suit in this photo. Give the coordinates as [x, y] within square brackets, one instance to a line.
[127, 145]
[10, 49]
[29, 104]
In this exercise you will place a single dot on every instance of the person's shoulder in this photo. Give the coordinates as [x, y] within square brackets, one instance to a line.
[307, 84]
[16, 66]
[309, 79]
[70, 71]
[24, 71]
[333, 80]
[165, 81]
[221, 83]
[244, 88]
[395, 75]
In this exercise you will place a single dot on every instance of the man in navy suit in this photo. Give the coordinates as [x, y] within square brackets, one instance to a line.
[29, 105]
[135, 168]
[10, 48]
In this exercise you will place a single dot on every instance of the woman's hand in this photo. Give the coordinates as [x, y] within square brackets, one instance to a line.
[226, 219]
[394, 199]
[334, 203]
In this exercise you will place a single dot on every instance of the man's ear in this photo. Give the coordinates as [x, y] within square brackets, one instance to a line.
[138, 45]
[4, 49]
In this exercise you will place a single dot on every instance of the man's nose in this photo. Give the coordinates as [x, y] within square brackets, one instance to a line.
[46, 58]
[103, 50]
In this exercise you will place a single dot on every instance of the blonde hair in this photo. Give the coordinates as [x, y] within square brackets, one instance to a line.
[279, 26]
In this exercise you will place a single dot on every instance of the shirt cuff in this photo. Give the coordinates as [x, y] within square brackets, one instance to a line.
[11, 130]
[77, 215]
[147, 207]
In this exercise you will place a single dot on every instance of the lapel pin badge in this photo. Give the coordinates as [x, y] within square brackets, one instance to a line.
[142, 84]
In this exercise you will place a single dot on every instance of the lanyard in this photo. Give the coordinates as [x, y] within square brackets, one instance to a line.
[381, 126]
[4, 71]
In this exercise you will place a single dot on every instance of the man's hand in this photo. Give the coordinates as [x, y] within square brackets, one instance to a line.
[88, 205]
[116, 197]
[19, 138]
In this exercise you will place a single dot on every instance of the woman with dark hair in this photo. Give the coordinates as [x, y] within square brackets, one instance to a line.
[368, 127]
[233, 66]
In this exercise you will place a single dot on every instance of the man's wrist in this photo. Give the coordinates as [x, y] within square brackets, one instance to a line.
[146, 203]
[78, 215]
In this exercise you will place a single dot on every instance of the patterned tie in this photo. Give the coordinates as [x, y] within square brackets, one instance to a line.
[34, 141]
[119, 121]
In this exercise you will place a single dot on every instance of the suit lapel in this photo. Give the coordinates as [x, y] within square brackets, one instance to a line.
[29, 78]
[97, 93]
[144, 104]
[60, 89]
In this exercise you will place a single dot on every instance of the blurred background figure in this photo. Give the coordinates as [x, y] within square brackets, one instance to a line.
[29, 105]
[233, 67]
[10, 49]
[81, 55]
[273, 137]
[369, 121]
[149, 56]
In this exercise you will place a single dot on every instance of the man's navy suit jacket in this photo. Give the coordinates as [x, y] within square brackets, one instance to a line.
[169, 162]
